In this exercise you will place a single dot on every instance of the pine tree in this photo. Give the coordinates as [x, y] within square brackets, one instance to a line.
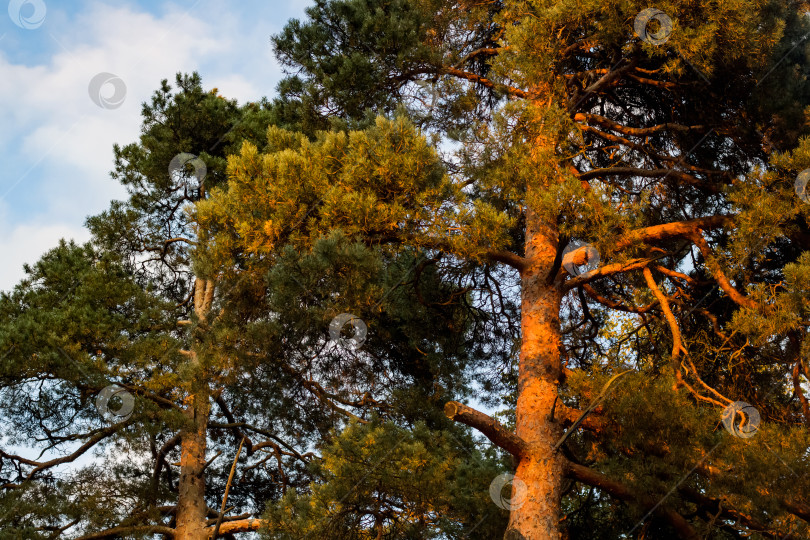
[120, 344]
[417, 349]
[196, 369]
[650, 134]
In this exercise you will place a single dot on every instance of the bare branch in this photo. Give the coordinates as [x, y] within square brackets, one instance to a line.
[40, 466]
[487, 425]
[637, 132]
[507, 257]
[239, 526]
[607, 270]
[123, 531]
[677, 344]
[483, 81]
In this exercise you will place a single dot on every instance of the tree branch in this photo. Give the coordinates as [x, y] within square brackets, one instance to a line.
[718, 273]
[714, 505]
[487, 425]
[593, 478]
[507, 257]
[607, 270]
[797, 387]
[472, 77]
[123, 531]
[666, 231]
[650, 173]
[239, 526]
[614, 304]
[40, 466]
[797, 508]
[222, 508]
[569, 416]
[626, 130]
[677, 344]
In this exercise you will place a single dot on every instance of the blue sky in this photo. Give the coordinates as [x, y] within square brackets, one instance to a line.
[56, 143]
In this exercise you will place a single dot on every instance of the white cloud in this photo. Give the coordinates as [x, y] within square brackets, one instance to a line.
[26, 244]
[51, 105]
[60, 143]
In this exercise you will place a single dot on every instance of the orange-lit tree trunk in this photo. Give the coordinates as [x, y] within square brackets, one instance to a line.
[191, 506]
[541, 470]
[192, 509]
[536, 490]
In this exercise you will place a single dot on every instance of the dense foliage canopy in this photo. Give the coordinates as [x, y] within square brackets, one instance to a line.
[587, 218]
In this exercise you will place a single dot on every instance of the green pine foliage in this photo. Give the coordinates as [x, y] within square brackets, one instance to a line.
[414, 150]
[120, 311]
[380, 480]
[730, 82]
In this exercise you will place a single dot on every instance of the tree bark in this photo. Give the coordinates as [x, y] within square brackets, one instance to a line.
[192, 510]
[487, 425]
[540, 469]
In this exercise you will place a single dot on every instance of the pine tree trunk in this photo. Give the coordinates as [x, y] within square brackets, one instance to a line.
[536, 515]
[192, 510]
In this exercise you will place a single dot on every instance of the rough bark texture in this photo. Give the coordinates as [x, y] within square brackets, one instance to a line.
[240, 526]
[192, 510]
[540, 469]
[487, 425]
[191, 506]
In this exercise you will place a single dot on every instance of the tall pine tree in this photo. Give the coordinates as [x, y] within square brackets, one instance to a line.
[140, 376]
[653, 136]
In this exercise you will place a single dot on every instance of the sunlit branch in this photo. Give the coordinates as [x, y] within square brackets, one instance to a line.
[605, 271]
[677, 343]
[718, 273]
[491, 428]
[667, 231]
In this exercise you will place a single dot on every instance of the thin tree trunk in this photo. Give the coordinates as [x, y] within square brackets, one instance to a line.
[192, 510]
[536, 514]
